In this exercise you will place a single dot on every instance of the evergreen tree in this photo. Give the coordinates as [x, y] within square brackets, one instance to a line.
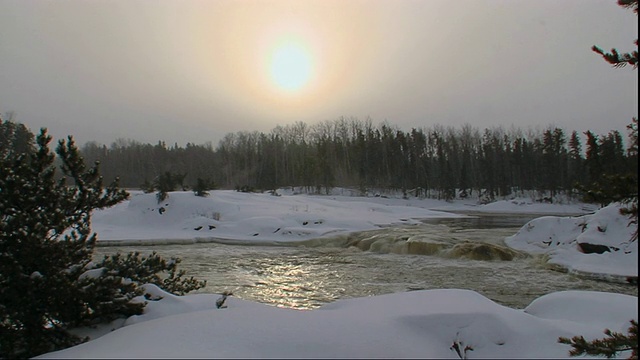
[610, 346]
[45, 247]
[554, 156]
[48, 282]
[618, 187]
[202, 187]
[576, 161]
[593, 161]
[612, 153]
[14, 137]
[146, 270]
[147, 187]
[614, 57]
[610, 188]
[632, 149]
[631, 199]
[164, 183]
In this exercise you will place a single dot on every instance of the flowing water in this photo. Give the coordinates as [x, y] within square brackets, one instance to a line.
[466, 253]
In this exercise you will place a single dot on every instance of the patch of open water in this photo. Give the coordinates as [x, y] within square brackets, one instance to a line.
[311, 273]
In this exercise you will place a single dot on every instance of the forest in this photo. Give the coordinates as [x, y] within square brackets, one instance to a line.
[439, 162]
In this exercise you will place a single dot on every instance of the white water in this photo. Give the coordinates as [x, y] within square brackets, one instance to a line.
[311, 273]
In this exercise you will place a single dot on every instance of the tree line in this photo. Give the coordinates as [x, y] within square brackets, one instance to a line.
[436, 161]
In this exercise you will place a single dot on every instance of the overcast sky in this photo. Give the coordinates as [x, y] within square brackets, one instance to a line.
[193, 70]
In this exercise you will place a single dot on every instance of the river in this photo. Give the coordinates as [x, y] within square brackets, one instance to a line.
[462, 253]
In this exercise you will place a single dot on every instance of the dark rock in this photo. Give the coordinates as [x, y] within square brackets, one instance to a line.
[152, 297]
[485, 252]
[198, 228]
[211, 227]
[424, 248]
[594, 248]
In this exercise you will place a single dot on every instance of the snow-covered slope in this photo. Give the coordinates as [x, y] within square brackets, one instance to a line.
[421, 324]
[594, 245]
[249, 216]
[418, 324]
[225, 214]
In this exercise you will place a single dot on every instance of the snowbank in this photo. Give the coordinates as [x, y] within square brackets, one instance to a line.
[518, 206]
[230, 216]
[421, 324]
[234, 215]
[596, 245]
[254, 217]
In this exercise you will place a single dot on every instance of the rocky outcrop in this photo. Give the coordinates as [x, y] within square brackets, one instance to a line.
[480, 251]
[595, 248]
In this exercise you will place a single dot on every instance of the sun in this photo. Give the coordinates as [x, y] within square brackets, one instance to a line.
[290, 67]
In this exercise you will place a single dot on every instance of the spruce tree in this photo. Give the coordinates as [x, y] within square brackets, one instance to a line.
[575, 166]
[614, 187]
[614, 57]
[629, 195]
[593, 162]
[164, 183]
[45, 247]
[610, 346]
[14, 137]
[48, 281]
[202, 187]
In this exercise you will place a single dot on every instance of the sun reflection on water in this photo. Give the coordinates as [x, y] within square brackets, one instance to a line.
[310, 274]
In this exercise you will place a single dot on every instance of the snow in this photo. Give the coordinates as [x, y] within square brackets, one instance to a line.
[232, 215]
[559, 239]
[420, 324]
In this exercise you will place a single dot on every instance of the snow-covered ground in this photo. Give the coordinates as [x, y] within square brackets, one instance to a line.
[597, 245]
[424, 324]
[227, 214]
[418, 324]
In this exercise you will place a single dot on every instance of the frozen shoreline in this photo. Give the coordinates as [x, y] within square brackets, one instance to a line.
[415, 324]
[227, 214]
[423, 323]
[230, 217]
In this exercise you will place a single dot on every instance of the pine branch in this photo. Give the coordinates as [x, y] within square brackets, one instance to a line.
[612, 344]
[619, 60]
[615, 58]
[629, 4]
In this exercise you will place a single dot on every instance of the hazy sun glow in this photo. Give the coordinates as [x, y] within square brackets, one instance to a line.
[285, 61]
[290, 67]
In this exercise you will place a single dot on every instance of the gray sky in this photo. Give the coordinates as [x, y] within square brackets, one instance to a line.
[193, 70]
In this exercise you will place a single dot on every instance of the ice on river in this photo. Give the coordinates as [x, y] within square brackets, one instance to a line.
[252, 217]
[237, 217]
[424, 324]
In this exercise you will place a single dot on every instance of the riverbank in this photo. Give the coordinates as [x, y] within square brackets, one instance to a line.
[598, 245]
[446, 323]
[416, 324]
[231, 217]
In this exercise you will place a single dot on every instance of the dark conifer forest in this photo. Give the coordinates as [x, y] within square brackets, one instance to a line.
[436, 161]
